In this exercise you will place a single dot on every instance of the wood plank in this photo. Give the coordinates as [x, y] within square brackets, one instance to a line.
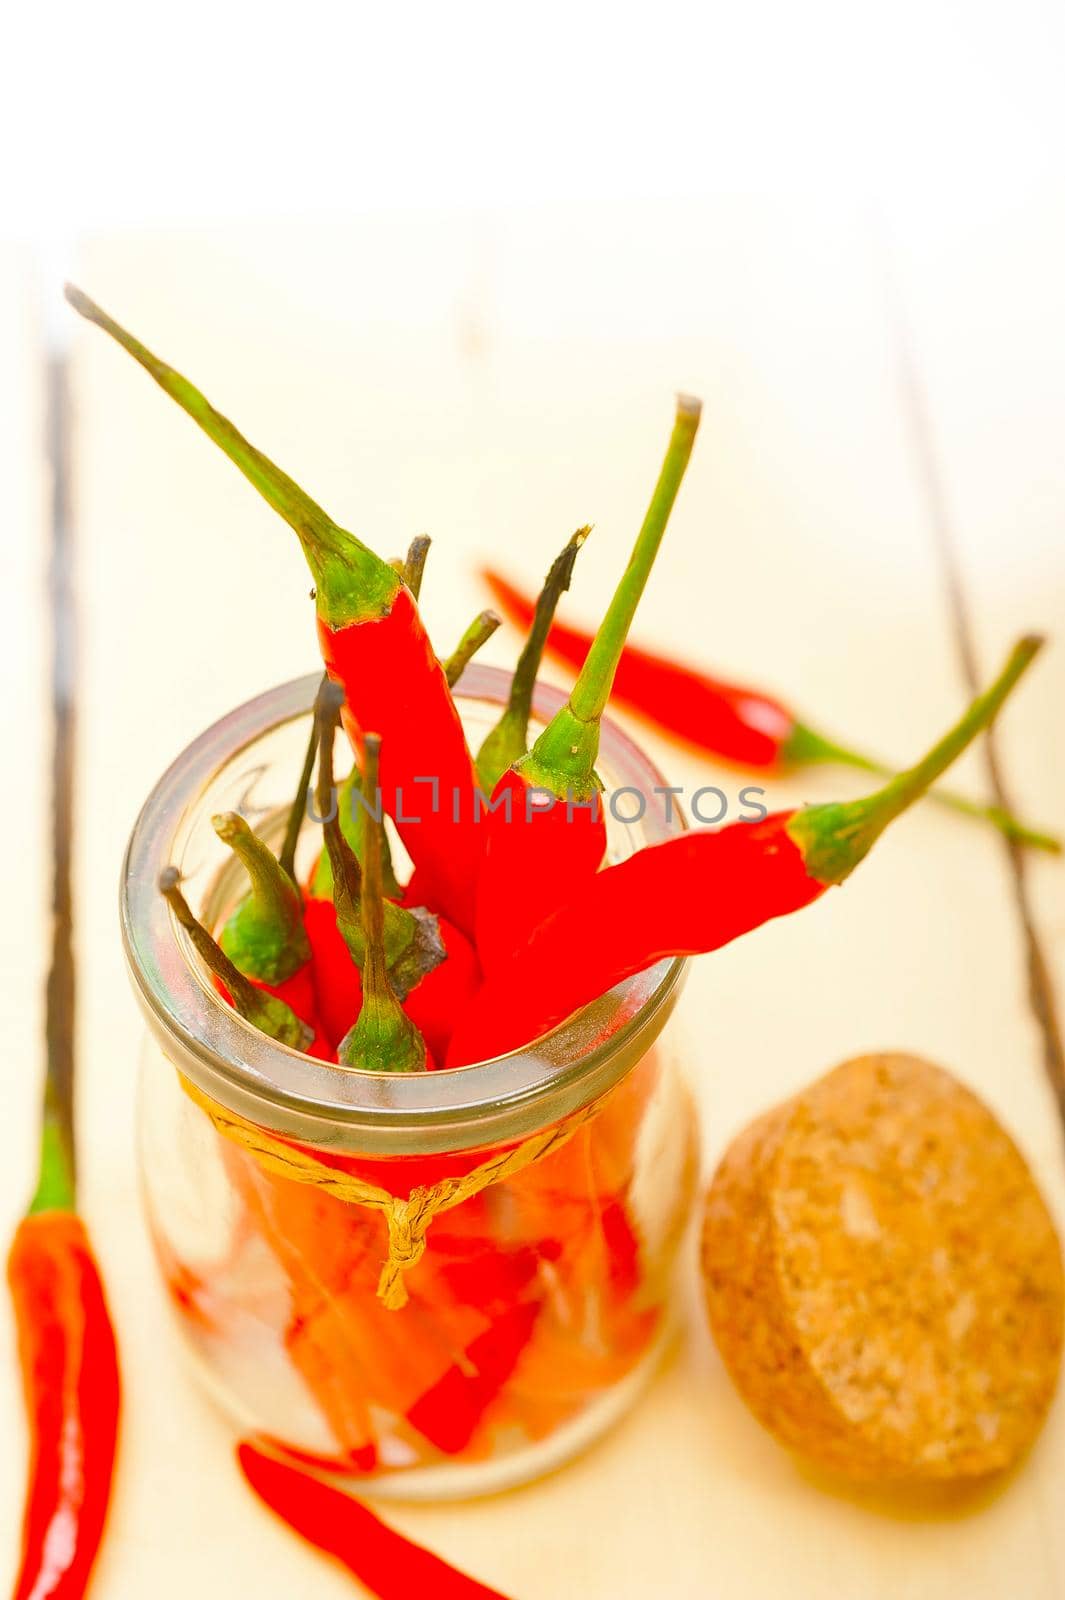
[484, 383]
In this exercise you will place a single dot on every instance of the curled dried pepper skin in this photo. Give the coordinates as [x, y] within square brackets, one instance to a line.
[697, 892]
[71, 1386]
[390, 1566]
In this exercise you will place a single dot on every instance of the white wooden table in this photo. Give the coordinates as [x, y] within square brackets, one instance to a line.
[495, 384]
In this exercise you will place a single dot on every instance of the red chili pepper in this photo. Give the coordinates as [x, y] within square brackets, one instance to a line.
[374, 644]
[66, 1344]
[546, 830]
[389, 1565]
[337, 983]
[254, 1003]
[695, 893]
[71, 1385]
[730, 721]
[450, 1412]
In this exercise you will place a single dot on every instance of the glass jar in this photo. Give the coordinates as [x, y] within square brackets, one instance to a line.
[439, 1283]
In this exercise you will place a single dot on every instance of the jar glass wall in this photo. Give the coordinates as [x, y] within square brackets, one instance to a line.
[437, 1283]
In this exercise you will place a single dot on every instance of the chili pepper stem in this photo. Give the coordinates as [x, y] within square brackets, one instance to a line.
[508, 740]
[806, 745]
[294, 824]
[382, 1038]
[352, 582]
[265, 935]
[569, 745]
[264, 1011]
[347, 873]
[477, 634]
[413, 568]
[835, 838]
[56, 1175]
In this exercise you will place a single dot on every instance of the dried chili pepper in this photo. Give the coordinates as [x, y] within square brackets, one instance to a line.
[546, 829]
[389, 1565]
[505, 745]
[265, 936]
[375, 645]
[731, 721]
[263, 1010]
[698, 892]
[382, 1038]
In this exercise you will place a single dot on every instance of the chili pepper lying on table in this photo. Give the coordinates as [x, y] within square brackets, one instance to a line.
[389, 1565]
[256, 1005]
[71, 1385]
[546, 829]
[375, 645]
[729, 720]
[429, 963]
[67, 1353]
[697, 892]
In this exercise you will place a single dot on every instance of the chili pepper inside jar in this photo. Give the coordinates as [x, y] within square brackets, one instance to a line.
[438, 1283]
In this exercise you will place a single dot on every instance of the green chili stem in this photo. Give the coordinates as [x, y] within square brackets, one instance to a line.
[478, 633]
[347, 874]
[807, 745]
[569, 745]
[352, 582]
[56, 1173]
[835, 838]
[264, 1011]
[508, 740]
[294, 825]
[413, 568]
[383, 1038]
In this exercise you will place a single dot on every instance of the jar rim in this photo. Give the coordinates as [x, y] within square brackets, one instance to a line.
[337, 1107]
